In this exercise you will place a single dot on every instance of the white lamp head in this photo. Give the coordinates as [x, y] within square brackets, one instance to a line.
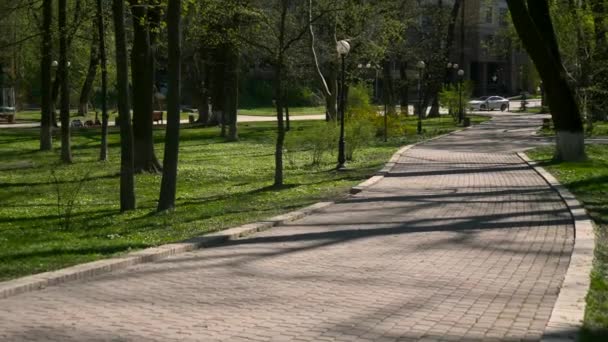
[343, 47]
[460, 72]
[420, 65]
[455, 66]
[449, 65]
[369, 65]
[54, 64]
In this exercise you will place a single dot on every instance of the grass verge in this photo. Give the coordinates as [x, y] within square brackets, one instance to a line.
[220, 185]
[271, 111]
[588, 181]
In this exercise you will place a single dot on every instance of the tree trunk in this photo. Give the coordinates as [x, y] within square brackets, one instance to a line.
[55, 96]
[87, 87]
[598, 99]
[66, 148]
[169, 181]
[287, 120]
[404, 88]
[127, 178]
[46, 129]
[278, 90]
[142, 67]
[388, 88]
[535, 29]
[202, 88]
[103, 154]
[329, 85]
[232, 91]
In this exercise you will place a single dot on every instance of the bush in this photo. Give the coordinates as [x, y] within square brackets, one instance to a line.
[449, 97]
[358, 133]
[316, 142]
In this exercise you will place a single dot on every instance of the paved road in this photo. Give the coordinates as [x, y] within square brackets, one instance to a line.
[462, 241]
[242, 118]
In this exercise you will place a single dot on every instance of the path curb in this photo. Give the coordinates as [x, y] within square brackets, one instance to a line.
[568, 313]
[393, 161]
[95, 268]
[91, 269]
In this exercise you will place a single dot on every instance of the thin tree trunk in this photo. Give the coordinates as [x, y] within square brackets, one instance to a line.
[232, 92]
[55, 96]
[127, 178]
[287, 121]
[103, 154]
[66, 148]
[46, 129]
[278, 89]
[404, 88]
[388, 87]
[329, 85]
[535, 29]
[142, 65]
[169, 181]
[87, 87]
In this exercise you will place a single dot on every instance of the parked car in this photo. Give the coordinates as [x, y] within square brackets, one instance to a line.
[489, 103]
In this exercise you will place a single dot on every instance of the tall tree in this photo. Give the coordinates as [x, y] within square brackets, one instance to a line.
[535, 29]
[127, 179]
[103, 153]
[168, 186]
[87, 87]
[66, 149]
[142, 65]
[46, 129]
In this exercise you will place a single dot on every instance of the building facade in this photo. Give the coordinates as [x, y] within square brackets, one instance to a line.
[491, 61]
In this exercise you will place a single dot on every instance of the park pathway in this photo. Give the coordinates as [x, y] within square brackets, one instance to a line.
[462, 241]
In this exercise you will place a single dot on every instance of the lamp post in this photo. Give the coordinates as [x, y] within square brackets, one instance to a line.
[448, 74]
[343, 47]
[460, 107]
[420, 65]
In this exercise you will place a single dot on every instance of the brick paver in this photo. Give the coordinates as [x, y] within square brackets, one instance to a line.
[462, 241]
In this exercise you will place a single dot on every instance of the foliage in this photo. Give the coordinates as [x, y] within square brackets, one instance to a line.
[317, 142]
[588, 181]
[449, 97]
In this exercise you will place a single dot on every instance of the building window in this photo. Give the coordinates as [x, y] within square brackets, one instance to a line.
[504, 12]
[489, 13]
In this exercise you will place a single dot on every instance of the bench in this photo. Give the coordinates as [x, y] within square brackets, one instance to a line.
[10, 118]
[157, 116]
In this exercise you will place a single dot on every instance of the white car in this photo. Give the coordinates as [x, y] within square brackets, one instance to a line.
[489, 103]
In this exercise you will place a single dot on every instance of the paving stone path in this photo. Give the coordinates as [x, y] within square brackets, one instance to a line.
[461, 242]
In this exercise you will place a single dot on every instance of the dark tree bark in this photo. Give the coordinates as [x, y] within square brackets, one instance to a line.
[287, 121]
[535, 29]
[46, 129]
[278, 91]
[66, 148]
[127, 178]
[217, 87]
[404, 88]
[103, 154]
[232, 91]
[142, 75]
[598, 99]
[87, 87]
[169, 181]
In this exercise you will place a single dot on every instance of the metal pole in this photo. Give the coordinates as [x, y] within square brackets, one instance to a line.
[385, 123]
[460, 111]
[341, 154]
[420, 101]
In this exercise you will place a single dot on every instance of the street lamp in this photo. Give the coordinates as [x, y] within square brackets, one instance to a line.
[343, 47]
[460, 108]
[420, 66]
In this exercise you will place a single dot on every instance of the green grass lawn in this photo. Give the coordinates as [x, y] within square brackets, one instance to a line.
[271, 111]
[600, 129]
[588, 181]
[221, 184]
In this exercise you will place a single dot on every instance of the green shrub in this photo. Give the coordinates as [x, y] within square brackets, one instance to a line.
[449, 97]
[316, 142]
[358, 133]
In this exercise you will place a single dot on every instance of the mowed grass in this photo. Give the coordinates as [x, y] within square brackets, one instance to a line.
[220, 184]
[271, 111]
[600, 129]
[588, 181]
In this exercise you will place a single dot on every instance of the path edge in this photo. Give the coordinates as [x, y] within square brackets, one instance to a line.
[91, 269]
[388, 167]
[566, 319]
[95, 268]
